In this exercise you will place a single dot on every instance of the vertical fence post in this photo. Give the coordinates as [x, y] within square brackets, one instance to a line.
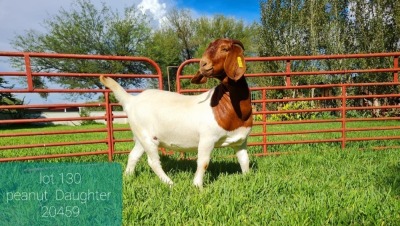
[288, 82]
[110, 129]
[178, 83]
[28, 69]
[264, 120]
[396, 65]
[343, 111]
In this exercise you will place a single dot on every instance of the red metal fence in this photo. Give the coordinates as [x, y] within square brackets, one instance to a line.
[340, 99]
[13, 143]
[343, 100]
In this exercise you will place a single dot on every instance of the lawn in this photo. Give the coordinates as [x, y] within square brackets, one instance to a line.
[320, 184]
[324, 187]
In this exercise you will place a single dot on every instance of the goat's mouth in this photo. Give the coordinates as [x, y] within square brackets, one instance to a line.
[207, 72]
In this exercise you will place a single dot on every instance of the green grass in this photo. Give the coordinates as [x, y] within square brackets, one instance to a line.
[320, 184]
[314, 188]
[332, 135]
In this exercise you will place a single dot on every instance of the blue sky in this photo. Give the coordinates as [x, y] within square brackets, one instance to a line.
[19, 16]
[248, 10]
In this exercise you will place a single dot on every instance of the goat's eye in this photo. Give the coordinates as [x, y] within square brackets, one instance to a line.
[224, 49]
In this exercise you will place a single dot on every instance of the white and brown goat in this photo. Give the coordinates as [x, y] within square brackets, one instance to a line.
[220, 117]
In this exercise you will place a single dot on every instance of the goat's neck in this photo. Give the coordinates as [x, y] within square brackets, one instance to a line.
[231, 104]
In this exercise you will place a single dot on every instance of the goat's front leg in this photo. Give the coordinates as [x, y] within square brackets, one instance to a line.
[243, 157]
[203, 159]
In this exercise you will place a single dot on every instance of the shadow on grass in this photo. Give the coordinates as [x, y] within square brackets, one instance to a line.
[215, 169]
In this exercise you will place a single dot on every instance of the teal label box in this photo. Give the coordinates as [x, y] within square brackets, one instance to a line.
[60, 194]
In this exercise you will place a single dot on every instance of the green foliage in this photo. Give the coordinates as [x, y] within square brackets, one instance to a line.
[219, 26]
[257, 117]
[6, 98]
[295, 105]
[181, 23]
[10, 99]
[358, 114]
[164, 48]
[296, 27]
[85, 112]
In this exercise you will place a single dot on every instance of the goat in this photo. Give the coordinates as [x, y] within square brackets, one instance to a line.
[220, 117]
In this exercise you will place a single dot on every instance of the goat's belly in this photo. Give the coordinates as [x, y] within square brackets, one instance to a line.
[178, 147]
[234, 138]
[189, 141]
[179, 142]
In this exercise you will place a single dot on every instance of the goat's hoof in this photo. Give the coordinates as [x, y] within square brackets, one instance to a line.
[169, 183]
[198, 185]
[128, 172]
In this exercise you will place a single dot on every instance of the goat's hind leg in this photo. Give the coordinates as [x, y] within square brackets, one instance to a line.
[154, 162]
[134, 157]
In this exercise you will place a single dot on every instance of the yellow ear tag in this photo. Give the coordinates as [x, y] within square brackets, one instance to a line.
[239, 60]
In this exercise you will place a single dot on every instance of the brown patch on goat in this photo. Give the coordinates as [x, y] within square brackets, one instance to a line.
[231, 104]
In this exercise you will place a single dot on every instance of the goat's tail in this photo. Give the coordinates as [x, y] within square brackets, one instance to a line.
[119, 92]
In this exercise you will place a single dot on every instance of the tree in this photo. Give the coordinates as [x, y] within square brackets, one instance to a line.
[282, 33]
[87, 30]
[297, 27]
[6, 98]
[164, 48]
[281, 27]
[338, 35]
[375, 28]
[208, 29]
[182, 37]
[180, 21]
[10, 99]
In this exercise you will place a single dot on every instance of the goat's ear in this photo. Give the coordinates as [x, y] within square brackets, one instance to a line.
[198, 78]
[234, 65]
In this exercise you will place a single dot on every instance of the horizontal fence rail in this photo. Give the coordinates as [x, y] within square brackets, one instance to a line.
[99, 140]
[336, 99]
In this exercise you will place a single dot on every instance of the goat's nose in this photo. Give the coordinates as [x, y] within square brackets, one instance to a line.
[203, 63]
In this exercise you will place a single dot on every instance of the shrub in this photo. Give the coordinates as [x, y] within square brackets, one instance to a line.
[85, 112]
[297, 105]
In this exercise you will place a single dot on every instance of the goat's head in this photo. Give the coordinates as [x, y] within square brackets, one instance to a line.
[222, 58]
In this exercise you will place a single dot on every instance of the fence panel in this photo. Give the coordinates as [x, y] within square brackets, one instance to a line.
[77, 141]
[338, 99]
